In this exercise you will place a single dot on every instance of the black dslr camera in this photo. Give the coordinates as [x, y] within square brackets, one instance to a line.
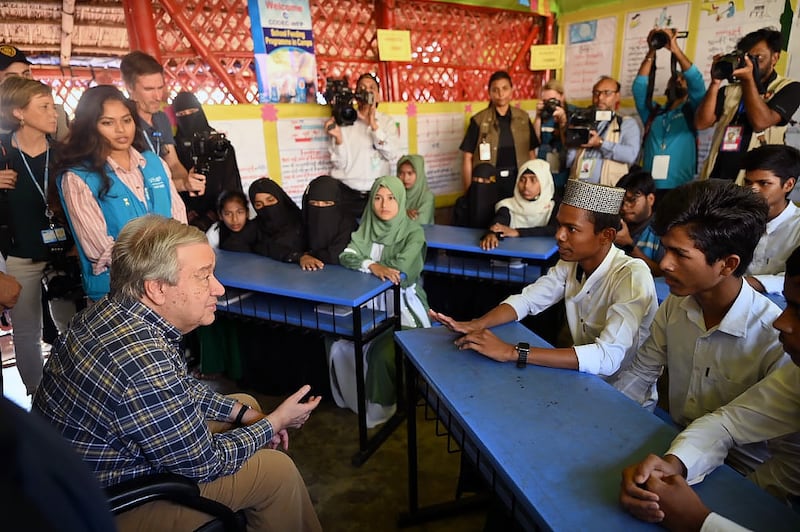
[724, 66]
[341, 98]
[581, 122]
[550, 106]
[207, 147]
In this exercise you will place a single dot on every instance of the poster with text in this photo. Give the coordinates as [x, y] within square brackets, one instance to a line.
[638, 25]
[438, 138]
[284, 51]
[589, 55]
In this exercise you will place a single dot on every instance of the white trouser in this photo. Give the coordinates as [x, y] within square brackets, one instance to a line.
[26, 318]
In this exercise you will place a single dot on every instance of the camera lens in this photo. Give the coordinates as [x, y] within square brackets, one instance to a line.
[658, 40]
[349, 115]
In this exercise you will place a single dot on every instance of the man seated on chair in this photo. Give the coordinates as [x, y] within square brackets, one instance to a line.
[713, 333]
[610, 298]
[117, 387]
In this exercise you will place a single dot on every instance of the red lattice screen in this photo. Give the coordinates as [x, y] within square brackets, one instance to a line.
[455, 49]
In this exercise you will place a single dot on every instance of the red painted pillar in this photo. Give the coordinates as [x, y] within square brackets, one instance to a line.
[141, 27]
[384, 20]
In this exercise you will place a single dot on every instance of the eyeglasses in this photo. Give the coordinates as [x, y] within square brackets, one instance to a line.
[631, 200]
[605, 93]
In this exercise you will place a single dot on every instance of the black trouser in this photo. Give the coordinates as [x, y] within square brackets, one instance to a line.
[354, 201]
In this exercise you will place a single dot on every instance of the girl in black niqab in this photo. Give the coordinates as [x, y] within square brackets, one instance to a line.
[328, 223]
[280, 222]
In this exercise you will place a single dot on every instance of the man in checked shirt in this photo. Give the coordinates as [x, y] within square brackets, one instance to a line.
[117, 387]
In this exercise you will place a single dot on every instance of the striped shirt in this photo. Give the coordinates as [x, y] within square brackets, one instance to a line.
[116, 386]
[88, 219]
[649, 244]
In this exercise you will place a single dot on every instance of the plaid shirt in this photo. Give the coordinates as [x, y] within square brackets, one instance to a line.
[116, 386]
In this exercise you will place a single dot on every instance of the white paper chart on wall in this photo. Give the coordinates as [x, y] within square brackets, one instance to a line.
[637, 27]
[438, 138]
[589, 55]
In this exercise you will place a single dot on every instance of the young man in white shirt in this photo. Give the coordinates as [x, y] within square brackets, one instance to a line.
[610, 297]
[772, 172]
[654, 489]
[714, 332]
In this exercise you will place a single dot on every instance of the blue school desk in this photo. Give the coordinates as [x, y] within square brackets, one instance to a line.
[552, 443]
[472, 261]
[334, 300]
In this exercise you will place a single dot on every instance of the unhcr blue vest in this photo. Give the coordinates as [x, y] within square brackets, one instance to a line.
[119, 206]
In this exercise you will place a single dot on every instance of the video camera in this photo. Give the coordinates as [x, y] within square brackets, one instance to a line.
[724, 66]
[581, 121]
[340, 97]
[207, 147]
[550, 106]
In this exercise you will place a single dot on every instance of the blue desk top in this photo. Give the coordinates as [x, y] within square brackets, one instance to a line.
[467, 239]
[561, 438]
[333, 284]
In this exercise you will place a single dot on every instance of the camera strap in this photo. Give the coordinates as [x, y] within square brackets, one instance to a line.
[656, 109]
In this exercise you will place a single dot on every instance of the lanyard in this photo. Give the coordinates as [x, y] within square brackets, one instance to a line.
[157, 148]
[47, 211]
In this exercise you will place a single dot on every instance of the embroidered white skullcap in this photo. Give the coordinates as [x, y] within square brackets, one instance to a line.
[593, 197]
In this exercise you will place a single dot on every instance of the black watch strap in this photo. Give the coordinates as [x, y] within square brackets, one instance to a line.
[523, 348]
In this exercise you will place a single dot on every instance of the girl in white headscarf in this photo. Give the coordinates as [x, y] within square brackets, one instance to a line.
[530, 211]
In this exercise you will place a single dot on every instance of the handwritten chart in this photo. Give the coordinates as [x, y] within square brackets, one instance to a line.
[589, 55]
[247, 137]
[637, 26]
[438, 138]
[303, 146]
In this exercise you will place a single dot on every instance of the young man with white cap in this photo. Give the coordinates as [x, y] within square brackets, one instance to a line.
[610, 298]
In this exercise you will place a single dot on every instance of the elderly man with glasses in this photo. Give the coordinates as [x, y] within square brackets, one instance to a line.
[613, 143]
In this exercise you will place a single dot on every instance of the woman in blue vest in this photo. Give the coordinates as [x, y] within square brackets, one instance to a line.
[106, 178]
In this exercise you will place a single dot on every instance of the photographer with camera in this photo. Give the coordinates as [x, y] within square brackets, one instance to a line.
[500, 135]
[753, 109]
[550, 126]
[670, 138]
[602, 144]
[200, 147]
[364, 145]
[34, 234]
[144, 80]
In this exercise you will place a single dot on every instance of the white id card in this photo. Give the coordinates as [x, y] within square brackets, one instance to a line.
[585, 171]
[660, 166]
[485, 151]
[49, 236]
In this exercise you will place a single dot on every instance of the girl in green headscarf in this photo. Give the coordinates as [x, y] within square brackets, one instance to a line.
[419, 198]
[386, 244]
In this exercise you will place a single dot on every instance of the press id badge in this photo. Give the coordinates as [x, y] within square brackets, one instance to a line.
[731, 138]
[53, 234]
[485, 151]
[660, 167]
[585, 170]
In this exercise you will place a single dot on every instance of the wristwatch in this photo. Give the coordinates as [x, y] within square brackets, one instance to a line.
[523, 348]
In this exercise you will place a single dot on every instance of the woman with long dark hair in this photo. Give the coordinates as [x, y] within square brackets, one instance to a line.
[107, 177]
[27, 110]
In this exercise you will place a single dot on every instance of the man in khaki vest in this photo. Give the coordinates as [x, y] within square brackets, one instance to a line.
[613, 144]
[753, 110]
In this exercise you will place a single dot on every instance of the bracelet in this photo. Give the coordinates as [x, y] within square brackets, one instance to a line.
[241, 413]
